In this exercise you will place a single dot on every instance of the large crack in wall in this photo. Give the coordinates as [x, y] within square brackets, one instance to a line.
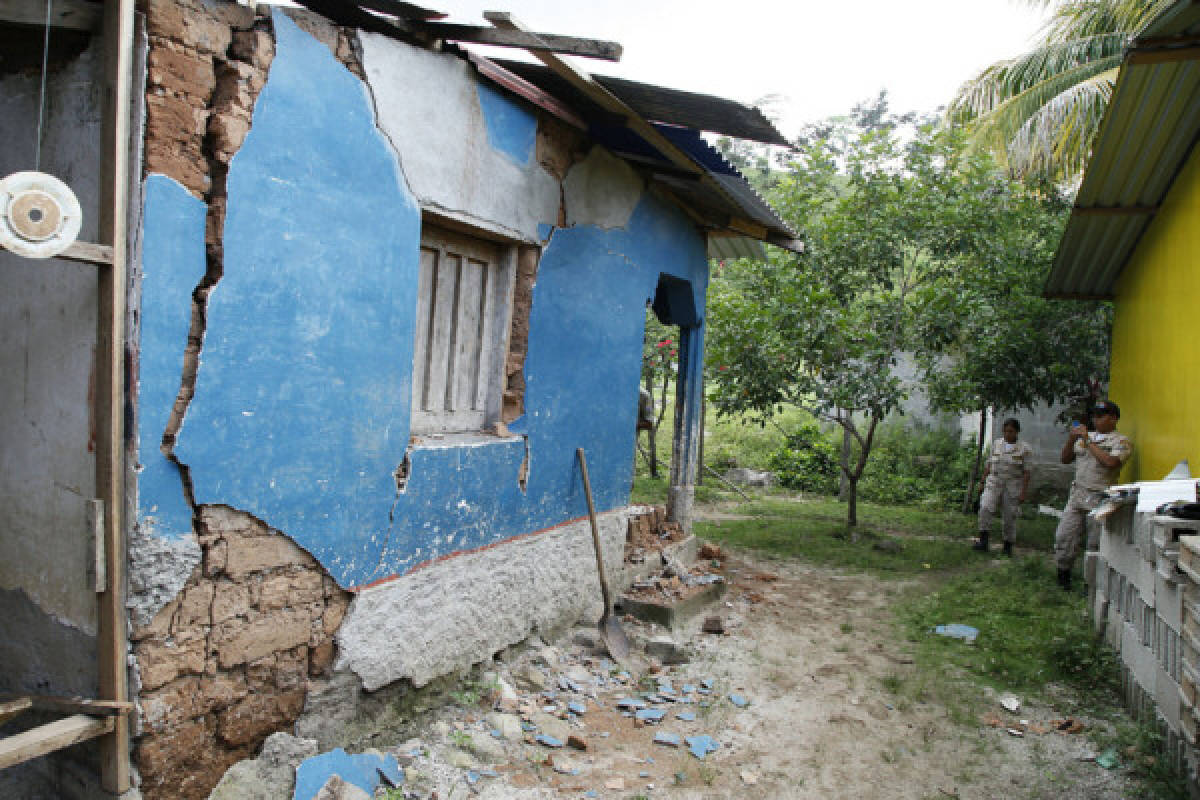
[227, 661]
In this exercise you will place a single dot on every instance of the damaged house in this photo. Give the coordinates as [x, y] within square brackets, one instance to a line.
[291, 420]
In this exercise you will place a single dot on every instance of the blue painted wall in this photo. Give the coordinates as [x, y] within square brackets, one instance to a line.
[511, 129]
[301, 411]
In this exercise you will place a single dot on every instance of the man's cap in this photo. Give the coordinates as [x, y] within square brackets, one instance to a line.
[1107, 407]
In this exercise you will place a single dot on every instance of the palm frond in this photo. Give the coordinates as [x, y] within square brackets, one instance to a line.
[1057, 139]
[996, 129]
[1007, 79]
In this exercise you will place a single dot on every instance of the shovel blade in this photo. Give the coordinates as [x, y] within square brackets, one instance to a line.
[614, 638]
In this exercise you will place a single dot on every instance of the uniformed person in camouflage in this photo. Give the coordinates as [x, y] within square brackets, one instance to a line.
[1098, 457]
[1005, 484]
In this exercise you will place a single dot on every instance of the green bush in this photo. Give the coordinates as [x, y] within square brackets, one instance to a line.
[917, 466]
[807, 461]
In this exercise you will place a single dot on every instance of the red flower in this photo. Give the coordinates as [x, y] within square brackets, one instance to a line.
[722, 368]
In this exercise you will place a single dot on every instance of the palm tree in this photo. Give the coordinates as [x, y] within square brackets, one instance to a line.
[1038, 112]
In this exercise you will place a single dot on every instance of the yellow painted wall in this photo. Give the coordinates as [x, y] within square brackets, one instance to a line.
[1156, 336]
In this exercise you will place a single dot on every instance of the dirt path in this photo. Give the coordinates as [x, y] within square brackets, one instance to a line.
[831, 713]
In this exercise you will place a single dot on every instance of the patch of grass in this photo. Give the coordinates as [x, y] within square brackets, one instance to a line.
[1030, 631]
[1139, 747]
[887, 540]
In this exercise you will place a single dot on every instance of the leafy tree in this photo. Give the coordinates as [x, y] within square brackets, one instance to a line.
[877, 199]
[1038, 112]
[990, 339]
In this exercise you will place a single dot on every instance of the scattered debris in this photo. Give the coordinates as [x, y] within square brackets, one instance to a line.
[748, 777]
[548, 741]
[713, 625]
[1108, 759]
[1010, 702]
[738, 700]
[1068, 725]
[576, 742]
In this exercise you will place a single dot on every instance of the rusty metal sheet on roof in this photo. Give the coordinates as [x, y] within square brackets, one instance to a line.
[1148, 133]
[659, 104]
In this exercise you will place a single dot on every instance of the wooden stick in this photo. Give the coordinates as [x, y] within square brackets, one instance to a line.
[49, 738]
[718, 476]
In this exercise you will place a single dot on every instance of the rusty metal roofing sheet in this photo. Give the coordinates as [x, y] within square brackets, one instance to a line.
[659, 104]
[1151, 127]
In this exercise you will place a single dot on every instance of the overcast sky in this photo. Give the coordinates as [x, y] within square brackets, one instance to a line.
[822, 57]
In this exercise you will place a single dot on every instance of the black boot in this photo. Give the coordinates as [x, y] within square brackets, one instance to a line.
[1008, 549]
[981, 544]
[1064, 579]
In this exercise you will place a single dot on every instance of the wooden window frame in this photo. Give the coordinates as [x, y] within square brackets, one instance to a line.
[443, 404]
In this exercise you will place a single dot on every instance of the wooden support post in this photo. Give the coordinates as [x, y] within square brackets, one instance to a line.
[113, 214]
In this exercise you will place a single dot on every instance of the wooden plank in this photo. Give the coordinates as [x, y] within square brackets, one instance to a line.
[55, 736]
[72, 705]
[441, 340]
[424, 320]
[518, 85]
[464, 382]
[89, 253]
[534, 42]
[113, 221]
[1170, 55]
[76, 15]
[606, 99]
[398, 8]
[10, 708]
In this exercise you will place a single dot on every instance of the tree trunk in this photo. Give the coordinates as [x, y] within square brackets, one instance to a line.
[843, 481]
[852, 503]
[967, 501]
[652, 431]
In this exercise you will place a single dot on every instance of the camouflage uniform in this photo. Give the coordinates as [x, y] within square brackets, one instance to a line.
[1007, 466]
[1091, 479]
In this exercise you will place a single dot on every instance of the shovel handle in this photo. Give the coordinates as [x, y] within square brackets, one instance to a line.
[587, 490]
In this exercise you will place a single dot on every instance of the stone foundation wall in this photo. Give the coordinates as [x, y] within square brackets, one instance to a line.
[228, 662]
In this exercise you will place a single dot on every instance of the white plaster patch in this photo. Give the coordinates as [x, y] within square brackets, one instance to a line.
[602, 190]
[159, 566]
[450, 615]
[428, 107]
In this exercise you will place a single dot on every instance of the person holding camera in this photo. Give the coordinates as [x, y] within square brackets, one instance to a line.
[1005, 484]
[1098, 456]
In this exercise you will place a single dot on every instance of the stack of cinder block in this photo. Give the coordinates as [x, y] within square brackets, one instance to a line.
[1144, 594]
[651, 522]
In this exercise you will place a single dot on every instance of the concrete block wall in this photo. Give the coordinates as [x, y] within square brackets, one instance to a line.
[1139, 601]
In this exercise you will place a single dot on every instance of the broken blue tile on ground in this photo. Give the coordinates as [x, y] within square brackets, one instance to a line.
[650, 714]
[702, 745]
[577, 708]
[738, 700]
[669, 739]
[548, 741]
[630, 702]
[364, 770]
[686, 716]
[957, 631]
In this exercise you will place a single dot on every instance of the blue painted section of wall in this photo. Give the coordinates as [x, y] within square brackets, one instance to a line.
[301, 411]
[302, 398]
[361, 769]
[173, 263]
[511, 127]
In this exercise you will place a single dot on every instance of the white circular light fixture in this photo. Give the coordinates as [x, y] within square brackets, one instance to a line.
[39, 215]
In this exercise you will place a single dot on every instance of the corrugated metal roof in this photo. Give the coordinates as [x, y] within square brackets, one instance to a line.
[704, 112]
[736, 197]
[1151, 127]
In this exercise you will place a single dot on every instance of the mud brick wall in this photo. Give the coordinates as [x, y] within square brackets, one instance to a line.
[228, 661]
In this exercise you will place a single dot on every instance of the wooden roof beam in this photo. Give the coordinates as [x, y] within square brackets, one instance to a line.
[603, 97]
[76, 15]
[1162, 55]
[534, 42]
